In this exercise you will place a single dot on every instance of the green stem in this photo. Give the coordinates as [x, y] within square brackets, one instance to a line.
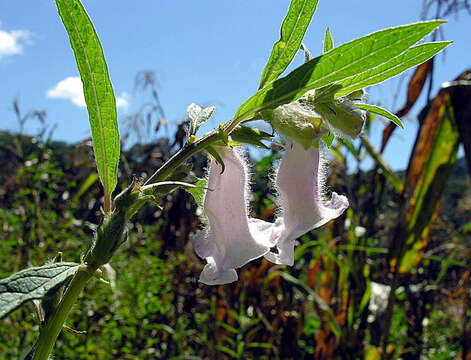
[53, 327]
[182, 155]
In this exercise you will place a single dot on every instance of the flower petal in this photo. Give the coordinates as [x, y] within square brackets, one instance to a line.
[299, 181]
[232, 239]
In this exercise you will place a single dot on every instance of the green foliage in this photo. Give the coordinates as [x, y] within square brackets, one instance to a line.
[198, 116]
[33, 283]
[349, 66]
[382, 112]
[294, 27]
[98, 91]
[247, 135]
[328, 41]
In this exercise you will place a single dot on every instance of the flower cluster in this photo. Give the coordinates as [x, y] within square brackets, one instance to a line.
[231, 238]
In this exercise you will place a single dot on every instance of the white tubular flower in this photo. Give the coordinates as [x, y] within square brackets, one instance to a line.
[231, 239]
[300, 180]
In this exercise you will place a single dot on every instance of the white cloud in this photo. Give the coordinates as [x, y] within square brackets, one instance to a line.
[122, 100]
[71, 89]
[12, 42]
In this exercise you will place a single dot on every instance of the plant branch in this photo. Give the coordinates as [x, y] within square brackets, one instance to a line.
[53, 327]
[182, 155]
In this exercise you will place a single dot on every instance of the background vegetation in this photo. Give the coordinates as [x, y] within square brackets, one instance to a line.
[389, 279]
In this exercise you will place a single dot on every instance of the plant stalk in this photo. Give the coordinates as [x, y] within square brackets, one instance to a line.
[182, 155]
[53, 327]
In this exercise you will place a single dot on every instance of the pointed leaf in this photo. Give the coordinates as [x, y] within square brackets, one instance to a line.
[33, 283]
[97, 89]
[380, 111]
[164, 187]
[89, 181]
[328, 42]
[338, 64]
[248, 135]
[394, 66]
[211, 150]
[293, 29]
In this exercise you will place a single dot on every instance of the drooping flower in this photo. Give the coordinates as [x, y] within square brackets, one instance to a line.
[232, 239]
[300, 183]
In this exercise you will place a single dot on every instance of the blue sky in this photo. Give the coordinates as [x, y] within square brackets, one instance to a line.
[207, 52]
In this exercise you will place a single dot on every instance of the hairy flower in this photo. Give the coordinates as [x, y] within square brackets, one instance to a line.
[300, 180]
[231, 239]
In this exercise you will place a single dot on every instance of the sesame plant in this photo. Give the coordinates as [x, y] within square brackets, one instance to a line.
[321, 99]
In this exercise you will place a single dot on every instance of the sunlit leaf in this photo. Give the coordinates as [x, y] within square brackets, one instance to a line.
[293, 29]
[249, 135]
[97, 89]
[392, 67]
[198, 116]
[343, 62]
[328, 139]
[328, 42]
[212, 150]
[380, 111]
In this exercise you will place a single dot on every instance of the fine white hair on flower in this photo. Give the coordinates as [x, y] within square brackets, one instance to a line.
[231, 239]
[300, 183]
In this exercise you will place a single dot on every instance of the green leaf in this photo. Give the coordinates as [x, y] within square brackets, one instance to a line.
[328, 42]
[338, 64]
[228, 351]
[248, 135]
[328, 139]
[89, 181]
[212, 150]
[260, 345]
[33, 283]
[228, 327]
[445, 265]
[394, 66]
[198, 191]
[380, 111]
[97, 89]
[293, 29]
[198, 116]
[366, 297]
[349, 145]
[164, 187]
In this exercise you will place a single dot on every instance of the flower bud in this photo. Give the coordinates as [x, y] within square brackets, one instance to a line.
[342, 116]
[298, 122]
